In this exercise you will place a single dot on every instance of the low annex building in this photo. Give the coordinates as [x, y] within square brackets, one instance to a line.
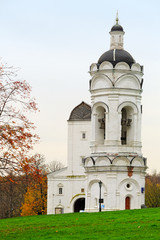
[104, 139]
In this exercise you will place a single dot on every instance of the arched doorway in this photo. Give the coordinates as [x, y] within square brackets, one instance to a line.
[127, 203]
[79, 204]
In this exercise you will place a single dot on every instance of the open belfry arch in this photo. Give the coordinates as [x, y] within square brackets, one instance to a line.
[104, 139]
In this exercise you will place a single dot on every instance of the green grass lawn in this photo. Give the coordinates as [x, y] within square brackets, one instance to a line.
[129, 224]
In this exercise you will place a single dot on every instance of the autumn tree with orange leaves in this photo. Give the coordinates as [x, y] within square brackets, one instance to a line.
[35, 198]
[23, 182]
[31, 184]
[16, 130]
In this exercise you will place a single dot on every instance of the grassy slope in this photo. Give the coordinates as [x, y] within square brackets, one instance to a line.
[129, 224]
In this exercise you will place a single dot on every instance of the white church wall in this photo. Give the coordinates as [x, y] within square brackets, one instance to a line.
[102, 161]
[127, 81]
[116, 186]
[92, 201]
[78, 145]
[130, 187]
[138, 162]
[120, 69]
[72, 189]
[101, 82]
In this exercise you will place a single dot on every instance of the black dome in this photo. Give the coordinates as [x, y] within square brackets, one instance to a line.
[116, 55]
[117, 27]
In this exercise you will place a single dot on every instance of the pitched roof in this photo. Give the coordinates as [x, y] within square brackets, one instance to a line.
[82, 112]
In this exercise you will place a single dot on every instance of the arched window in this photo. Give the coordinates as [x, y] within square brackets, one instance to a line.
[100, 131]
[60, 189]
[126, 125]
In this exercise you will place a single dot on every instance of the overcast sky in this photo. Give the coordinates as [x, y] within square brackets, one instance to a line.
[54, 43]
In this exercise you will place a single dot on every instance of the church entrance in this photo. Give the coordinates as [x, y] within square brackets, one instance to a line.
[79, 204]
[127, 203]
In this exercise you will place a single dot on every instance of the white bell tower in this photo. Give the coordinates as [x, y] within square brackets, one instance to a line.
[116, 158]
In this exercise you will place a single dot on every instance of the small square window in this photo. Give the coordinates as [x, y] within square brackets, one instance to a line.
[60, 190]
[82, 189]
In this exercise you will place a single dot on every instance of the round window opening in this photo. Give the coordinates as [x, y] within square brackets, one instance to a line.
[128, 185]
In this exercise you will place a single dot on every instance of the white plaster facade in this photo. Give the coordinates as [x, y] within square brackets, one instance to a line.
[104, 140]
[71, 179]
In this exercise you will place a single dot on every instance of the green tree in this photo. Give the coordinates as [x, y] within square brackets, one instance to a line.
[152, 190]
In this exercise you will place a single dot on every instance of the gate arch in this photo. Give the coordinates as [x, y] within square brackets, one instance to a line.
[79, 205]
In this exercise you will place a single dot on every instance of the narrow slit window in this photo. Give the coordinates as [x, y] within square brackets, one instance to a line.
[83, 135]
[124, 127]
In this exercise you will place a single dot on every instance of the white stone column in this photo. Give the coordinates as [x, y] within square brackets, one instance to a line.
[87, 202]
[139, 128]
[113, 129]
[135, 129]
[119, 128]
[93, 128]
